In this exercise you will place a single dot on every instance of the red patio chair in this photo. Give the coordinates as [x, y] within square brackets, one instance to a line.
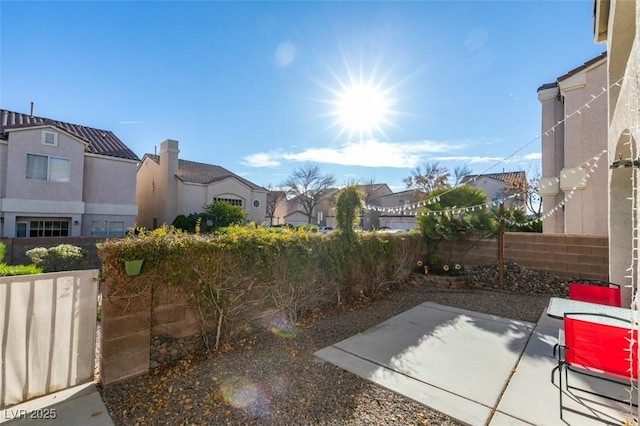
[595, 291]
[599, 350]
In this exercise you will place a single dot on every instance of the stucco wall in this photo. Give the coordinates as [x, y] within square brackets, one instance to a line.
[147, 195]
[566, 146]
[30, 141]
[585, 137]
[623, 136]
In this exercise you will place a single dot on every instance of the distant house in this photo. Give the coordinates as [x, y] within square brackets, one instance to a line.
[167, 187]
[59, 179]
[509, 186]
[397, 210]
[573, 135]
[291, 210]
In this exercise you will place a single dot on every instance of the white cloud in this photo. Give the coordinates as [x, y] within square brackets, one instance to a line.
[261, 159]
[369, 153]
[470, 159]
[533, 156]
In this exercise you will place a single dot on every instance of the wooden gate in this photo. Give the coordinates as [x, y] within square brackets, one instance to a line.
[47, 332]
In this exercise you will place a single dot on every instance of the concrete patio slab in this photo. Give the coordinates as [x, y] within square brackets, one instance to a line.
[478, 369]
[455, 361]
[532, 398]
[77, 406]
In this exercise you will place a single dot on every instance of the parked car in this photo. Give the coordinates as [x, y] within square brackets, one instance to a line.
[325, 229]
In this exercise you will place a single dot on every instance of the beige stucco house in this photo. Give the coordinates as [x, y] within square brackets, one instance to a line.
[59, 179]
[617, 23]
[397, 210]
[510, 187]
[291, 211]
[168, 187]
[574, 136]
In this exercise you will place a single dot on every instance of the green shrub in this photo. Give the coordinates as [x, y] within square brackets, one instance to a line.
[230, 277]
[11, 270]
[63, 257]
[2, 250]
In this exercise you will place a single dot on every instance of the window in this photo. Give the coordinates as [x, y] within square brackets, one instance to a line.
[53, 169]
[256, 204]
[49, 138]
[42, 228]
[232, 201]
[105, 228]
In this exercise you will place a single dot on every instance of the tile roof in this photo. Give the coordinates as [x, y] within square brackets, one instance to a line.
[194, 172]
[516, 179]
[583, 66]
[102, 142]
[573, 71]
[409, 192]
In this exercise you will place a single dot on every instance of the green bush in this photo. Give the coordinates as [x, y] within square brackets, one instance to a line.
[63, 257]
[2, 251]
[455, 214]
[11, 270]
[233, 276]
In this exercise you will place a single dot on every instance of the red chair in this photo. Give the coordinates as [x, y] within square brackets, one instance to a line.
[595, 291]
[599, 350]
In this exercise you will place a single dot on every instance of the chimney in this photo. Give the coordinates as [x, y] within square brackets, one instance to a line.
[168, 183]
[31, 114]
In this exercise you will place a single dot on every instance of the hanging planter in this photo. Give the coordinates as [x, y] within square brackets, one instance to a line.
[133, 267]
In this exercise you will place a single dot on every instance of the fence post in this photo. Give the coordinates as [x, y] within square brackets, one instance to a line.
[501, 247]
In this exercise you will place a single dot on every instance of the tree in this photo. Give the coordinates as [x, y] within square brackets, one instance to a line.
[348, 205]
[273, 198]
[429, 177]
[221, 214]
[454, 215]
[459, 173]
[308, 185]
[533, 201]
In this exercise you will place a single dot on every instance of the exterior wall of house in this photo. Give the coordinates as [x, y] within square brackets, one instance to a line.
[496, 190]
[30, 198]
[566, 149]
[585, 137]
[161, 195]
[192, 197]
[623, 44]
[3, 167]
[108, 193]
[148, 196]
[552, 159]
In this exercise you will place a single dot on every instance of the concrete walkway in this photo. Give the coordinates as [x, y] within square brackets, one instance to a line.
[77, 406]
[477, 368]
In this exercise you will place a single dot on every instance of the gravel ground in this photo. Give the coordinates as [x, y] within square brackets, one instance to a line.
[268, 380]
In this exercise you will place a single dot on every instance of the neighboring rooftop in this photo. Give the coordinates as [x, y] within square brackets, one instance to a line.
[194, 172]
[102, 142]
[515, 179]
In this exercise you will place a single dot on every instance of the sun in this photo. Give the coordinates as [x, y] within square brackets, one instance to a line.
[363, 108]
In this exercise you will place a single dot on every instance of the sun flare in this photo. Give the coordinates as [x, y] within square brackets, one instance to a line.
[362, 108]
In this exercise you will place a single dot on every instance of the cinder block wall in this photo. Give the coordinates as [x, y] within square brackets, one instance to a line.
[126, 333]
[568, 256]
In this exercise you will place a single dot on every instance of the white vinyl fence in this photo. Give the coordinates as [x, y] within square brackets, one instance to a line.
[47, 332]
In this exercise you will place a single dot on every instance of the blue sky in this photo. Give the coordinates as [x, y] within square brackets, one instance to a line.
[262, 88]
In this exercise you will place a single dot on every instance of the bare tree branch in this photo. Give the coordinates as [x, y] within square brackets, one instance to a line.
[308, 185]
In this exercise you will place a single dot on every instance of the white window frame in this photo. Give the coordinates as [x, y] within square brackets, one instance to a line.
[45, 133]
[109, 225]
[50, 225]
[232, 201]
[49, 158]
